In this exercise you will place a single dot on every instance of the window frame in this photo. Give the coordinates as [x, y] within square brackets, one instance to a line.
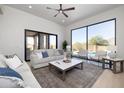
[92, 25]
[49, 40]
[25, 41]
[85, 34]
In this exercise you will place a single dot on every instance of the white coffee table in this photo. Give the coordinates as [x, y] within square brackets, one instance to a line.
[62, 66]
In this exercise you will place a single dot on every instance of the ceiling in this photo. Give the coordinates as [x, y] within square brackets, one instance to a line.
[81, 11]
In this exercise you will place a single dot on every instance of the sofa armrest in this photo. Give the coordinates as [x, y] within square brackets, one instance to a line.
[34, 59]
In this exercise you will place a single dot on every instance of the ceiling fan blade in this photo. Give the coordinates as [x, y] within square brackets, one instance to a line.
[68, 9]
[65, 14]
[60, 6]
[56, 14]
[51, 8]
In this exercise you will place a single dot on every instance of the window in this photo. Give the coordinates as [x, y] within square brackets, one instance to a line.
[78, 40]
[43, 41]
[52, 41]
[38, 40]
[30, 43]
[97, 37]
[101, 36]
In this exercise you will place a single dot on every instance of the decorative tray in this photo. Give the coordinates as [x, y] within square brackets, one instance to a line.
[67, 61]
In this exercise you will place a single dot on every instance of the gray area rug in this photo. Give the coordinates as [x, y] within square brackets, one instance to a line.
[75, 78]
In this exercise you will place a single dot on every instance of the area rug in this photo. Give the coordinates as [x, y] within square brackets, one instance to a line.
[75, 78]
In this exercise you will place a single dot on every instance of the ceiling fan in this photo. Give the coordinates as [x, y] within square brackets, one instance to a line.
[61, 10]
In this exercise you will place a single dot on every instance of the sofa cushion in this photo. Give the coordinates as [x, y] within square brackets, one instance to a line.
[45, 54]
[47, 59]
[8, 83]
[50, 52]
[61, 52]
[53, 58]
[39, 54]
[27, 75]
[56, 53]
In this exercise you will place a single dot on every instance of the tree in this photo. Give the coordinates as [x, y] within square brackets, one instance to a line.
[77, 46]
[98, 41]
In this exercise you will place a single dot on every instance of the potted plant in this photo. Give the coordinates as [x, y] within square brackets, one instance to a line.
[64, 45]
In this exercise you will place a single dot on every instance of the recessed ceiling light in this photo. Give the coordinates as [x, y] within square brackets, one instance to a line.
[30, 6]
[63, 21]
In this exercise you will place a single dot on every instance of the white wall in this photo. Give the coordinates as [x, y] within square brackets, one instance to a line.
[12, 25]
[117, 13]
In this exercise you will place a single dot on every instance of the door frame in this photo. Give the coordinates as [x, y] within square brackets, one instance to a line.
[39, 32]
[115, 42]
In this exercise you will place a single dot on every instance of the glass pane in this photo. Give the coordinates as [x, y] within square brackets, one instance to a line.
[45, 37]
[43, 41]
[52, 42]
[101, 36]
[31, 43]
[78, 40]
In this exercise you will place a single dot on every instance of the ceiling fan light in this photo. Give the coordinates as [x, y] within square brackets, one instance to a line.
[60, 11]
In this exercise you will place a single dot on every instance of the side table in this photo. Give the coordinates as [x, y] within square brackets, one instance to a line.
[113, 62]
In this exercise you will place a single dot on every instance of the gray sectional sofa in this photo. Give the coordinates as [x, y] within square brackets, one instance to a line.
[53, 54]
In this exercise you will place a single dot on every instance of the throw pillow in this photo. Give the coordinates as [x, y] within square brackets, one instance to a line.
[50, 52]
[14, 62]
[61, 52]
[39, 54]
[45, 54]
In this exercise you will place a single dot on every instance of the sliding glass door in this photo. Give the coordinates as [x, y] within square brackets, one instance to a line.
[78, 40]
[96, 37]
[101, 36]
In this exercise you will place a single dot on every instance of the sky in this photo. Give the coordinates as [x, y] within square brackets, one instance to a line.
[106, 30]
